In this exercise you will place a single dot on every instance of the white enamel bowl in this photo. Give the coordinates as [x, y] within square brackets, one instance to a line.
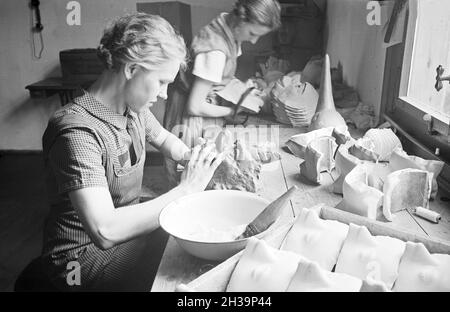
[216, 209]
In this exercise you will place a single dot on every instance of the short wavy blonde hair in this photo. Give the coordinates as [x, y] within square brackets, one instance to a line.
[263, 12]
[141, 38]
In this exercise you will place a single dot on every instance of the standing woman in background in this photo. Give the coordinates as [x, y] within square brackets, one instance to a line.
[94, 153]
[193, 105]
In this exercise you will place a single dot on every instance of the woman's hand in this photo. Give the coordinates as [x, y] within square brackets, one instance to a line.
[200, 169]
[238, 119]
[187, 155]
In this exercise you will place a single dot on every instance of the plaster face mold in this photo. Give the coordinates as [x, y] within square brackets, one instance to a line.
[406, 189]
[370, 257]
[319, 157]
[239, 170]
[298, 143]
[312, 72]
[378, 175]
[363, 149]
[341, 135]
[385, 142]
[376, 145]
[344, 163]
[401, 160]
[263, 268]
[371, 285]
[310, 277]
[316, 239]
[359, 196]
[293, 101]
[224, 140]
[421, 271]
[326, 114]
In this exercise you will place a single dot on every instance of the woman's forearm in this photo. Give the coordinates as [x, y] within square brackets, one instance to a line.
[210, 110]
[175, 149]
[196, 104]
[108, 226]
[132, 221]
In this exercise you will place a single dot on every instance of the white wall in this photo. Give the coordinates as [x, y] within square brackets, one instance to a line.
[358, 47]
[23, 120]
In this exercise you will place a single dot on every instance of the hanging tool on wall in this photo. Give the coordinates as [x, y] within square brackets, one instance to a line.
[37, 28]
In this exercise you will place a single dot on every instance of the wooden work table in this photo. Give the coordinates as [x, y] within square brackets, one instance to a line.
[177, 266]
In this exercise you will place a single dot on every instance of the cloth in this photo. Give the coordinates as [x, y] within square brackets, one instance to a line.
[87, 144]
[216, 36]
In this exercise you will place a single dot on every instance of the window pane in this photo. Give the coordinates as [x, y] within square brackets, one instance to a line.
[431, 49]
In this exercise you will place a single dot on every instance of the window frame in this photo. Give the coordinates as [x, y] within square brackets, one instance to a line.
[418, 136]
[441, 121]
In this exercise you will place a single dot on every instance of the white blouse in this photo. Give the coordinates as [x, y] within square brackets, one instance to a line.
[210, 65]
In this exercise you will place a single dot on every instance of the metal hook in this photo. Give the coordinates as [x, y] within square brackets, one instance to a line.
[440, 71]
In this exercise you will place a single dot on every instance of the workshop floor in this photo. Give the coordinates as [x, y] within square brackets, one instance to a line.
[23, 207]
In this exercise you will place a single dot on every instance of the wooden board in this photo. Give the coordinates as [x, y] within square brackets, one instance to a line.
[274, 185]
[387, 229]
[272, 179]
[407, 220]
[442, 229]
[404, 220]
[177, 266]
[309, 194]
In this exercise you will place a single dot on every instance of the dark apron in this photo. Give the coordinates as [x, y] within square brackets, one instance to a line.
[112, 269]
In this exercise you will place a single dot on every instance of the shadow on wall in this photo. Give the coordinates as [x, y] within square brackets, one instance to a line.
[358, 46]
[25, 109]
[21, 108]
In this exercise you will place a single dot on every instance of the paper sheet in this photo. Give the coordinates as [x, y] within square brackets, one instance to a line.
[233, 92]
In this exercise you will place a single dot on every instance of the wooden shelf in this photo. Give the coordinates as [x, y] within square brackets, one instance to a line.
[57, 85]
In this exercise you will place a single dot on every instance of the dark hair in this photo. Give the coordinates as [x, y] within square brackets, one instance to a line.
[141, 38]
[264, 12]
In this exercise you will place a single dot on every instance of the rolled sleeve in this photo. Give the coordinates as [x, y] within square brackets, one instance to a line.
[210, 66]
[76, 161]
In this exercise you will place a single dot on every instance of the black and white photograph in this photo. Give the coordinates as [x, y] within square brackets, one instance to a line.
[249, 147]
